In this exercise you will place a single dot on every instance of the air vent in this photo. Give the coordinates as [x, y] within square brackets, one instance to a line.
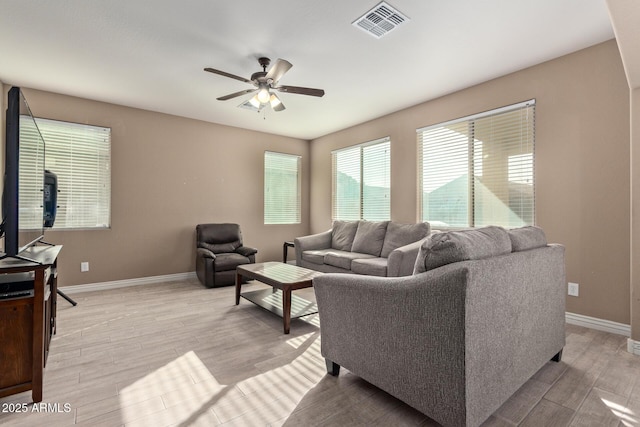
[380, 20]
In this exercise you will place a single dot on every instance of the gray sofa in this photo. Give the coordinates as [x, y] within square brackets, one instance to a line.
[377, 248]
[484, 311]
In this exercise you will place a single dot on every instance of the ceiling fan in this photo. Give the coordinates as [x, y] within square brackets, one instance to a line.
[264, 83]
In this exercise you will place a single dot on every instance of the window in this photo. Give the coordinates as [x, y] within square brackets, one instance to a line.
[80, 155]
[479, 170]
[281, 188]
[361, 181]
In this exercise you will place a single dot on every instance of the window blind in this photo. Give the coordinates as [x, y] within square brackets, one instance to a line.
[479, 170]
[361, 181]
[282, 180]
[80, 155]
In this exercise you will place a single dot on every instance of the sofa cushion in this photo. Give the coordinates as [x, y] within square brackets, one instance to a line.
[370, 266]
[453, 246]
[342, 259]
[402, 234]
[528, 237]
[369, 237]
[315, 256]
[342, 234]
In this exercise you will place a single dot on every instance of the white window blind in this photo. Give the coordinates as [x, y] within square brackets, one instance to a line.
[361, 181]
[80, 156]
[479, 170]
[282, 182]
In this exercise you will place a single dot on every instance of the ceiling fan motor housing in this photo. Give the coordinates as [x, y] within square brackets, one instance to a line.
[258, 76]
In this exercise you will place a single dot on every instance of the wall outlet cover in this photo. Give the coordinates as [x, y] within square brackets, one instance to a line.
[574, 289]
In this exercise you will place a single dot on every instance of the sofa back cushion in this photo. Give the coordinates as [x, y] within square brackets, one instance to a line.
[453, 246]
[402, 234]
[528, 237]
[369, 237]
[342, 234]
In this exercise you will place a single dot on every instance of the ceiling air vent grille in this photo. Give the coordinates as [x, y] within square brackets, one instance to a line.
[380, 20]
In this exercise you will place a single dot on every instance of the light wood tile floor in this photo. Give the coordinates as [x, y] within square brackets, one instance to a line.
[178, 354]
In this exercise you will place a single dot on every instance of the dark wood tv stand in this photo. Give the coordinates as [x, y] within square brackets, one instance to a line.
[27, 319]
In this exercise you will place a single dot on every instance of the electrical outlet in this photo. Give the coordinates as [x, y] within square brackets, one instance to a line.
[574, 289]
[84, 266]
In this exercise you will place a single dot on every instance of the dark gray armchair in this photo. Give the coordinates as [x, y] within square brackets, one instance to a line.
[219, 251]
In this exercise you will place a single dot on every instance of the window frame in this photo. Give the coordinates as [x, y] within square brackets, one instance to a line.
[286, 220]
[526, 137]
[385, 144]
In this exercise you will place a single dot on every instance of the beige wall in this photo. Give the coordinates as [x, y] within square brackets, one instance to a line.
[169, 174]
[582, 164]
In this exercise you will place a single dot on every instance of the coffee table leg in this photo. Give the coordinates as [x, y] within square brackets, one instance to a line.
[238, 285]
[286, 309]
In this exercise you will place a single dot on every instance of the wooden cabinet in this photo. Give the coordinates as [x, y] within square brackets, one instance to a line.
[28, 290]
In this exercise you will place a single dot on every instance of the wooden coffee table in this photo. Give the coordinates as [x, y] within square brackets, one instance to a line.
[283, 277]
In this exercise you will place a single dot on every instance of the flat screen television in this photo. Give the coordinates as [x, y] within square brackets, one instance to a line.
[22, 198]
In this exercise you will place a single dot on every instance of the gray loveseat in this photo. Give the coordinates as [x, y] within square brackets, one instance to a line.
[484, 311]
[377, 248]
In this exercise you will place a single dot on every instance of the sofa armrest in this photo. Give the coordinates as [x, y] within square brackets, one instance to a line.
[406, 335]
[311, 242]
[402, 260]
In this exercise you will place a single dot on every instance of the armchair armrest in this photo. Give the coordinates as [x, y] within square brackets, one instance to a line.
[205, 253]
[246, 251]
[402, 260]
[313, 241]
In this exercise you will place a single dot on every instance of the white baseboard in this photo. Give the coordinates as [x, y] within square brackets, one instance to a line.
[633, 346]
[127, 282]
[598, 324]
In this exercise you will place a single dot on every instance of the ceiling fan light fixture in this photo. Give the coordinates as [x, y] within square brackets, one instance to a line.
[263, 95]
[275, 102]
[255, 101]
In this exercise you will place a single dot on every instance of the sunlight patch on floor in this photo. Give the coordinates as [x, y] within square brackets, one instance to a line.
[625, 415]
[296, 342]
[263, 398]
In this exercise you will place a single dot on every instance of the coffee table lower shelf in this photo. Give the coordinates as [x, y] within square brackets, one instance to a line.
[272, 301]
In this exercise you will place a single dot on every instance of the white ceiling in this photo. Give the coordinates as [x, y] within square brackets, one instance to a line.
[150, 54]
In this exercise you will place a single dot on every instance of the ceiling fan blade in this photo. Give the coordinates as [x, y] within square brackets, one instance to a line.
[277, 71]
[301, 90]
[276, 103]
[222, 73]
[236, 94]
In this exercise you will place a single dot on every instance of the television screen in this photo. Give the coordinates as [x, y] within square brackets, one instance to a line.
[23, 207]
